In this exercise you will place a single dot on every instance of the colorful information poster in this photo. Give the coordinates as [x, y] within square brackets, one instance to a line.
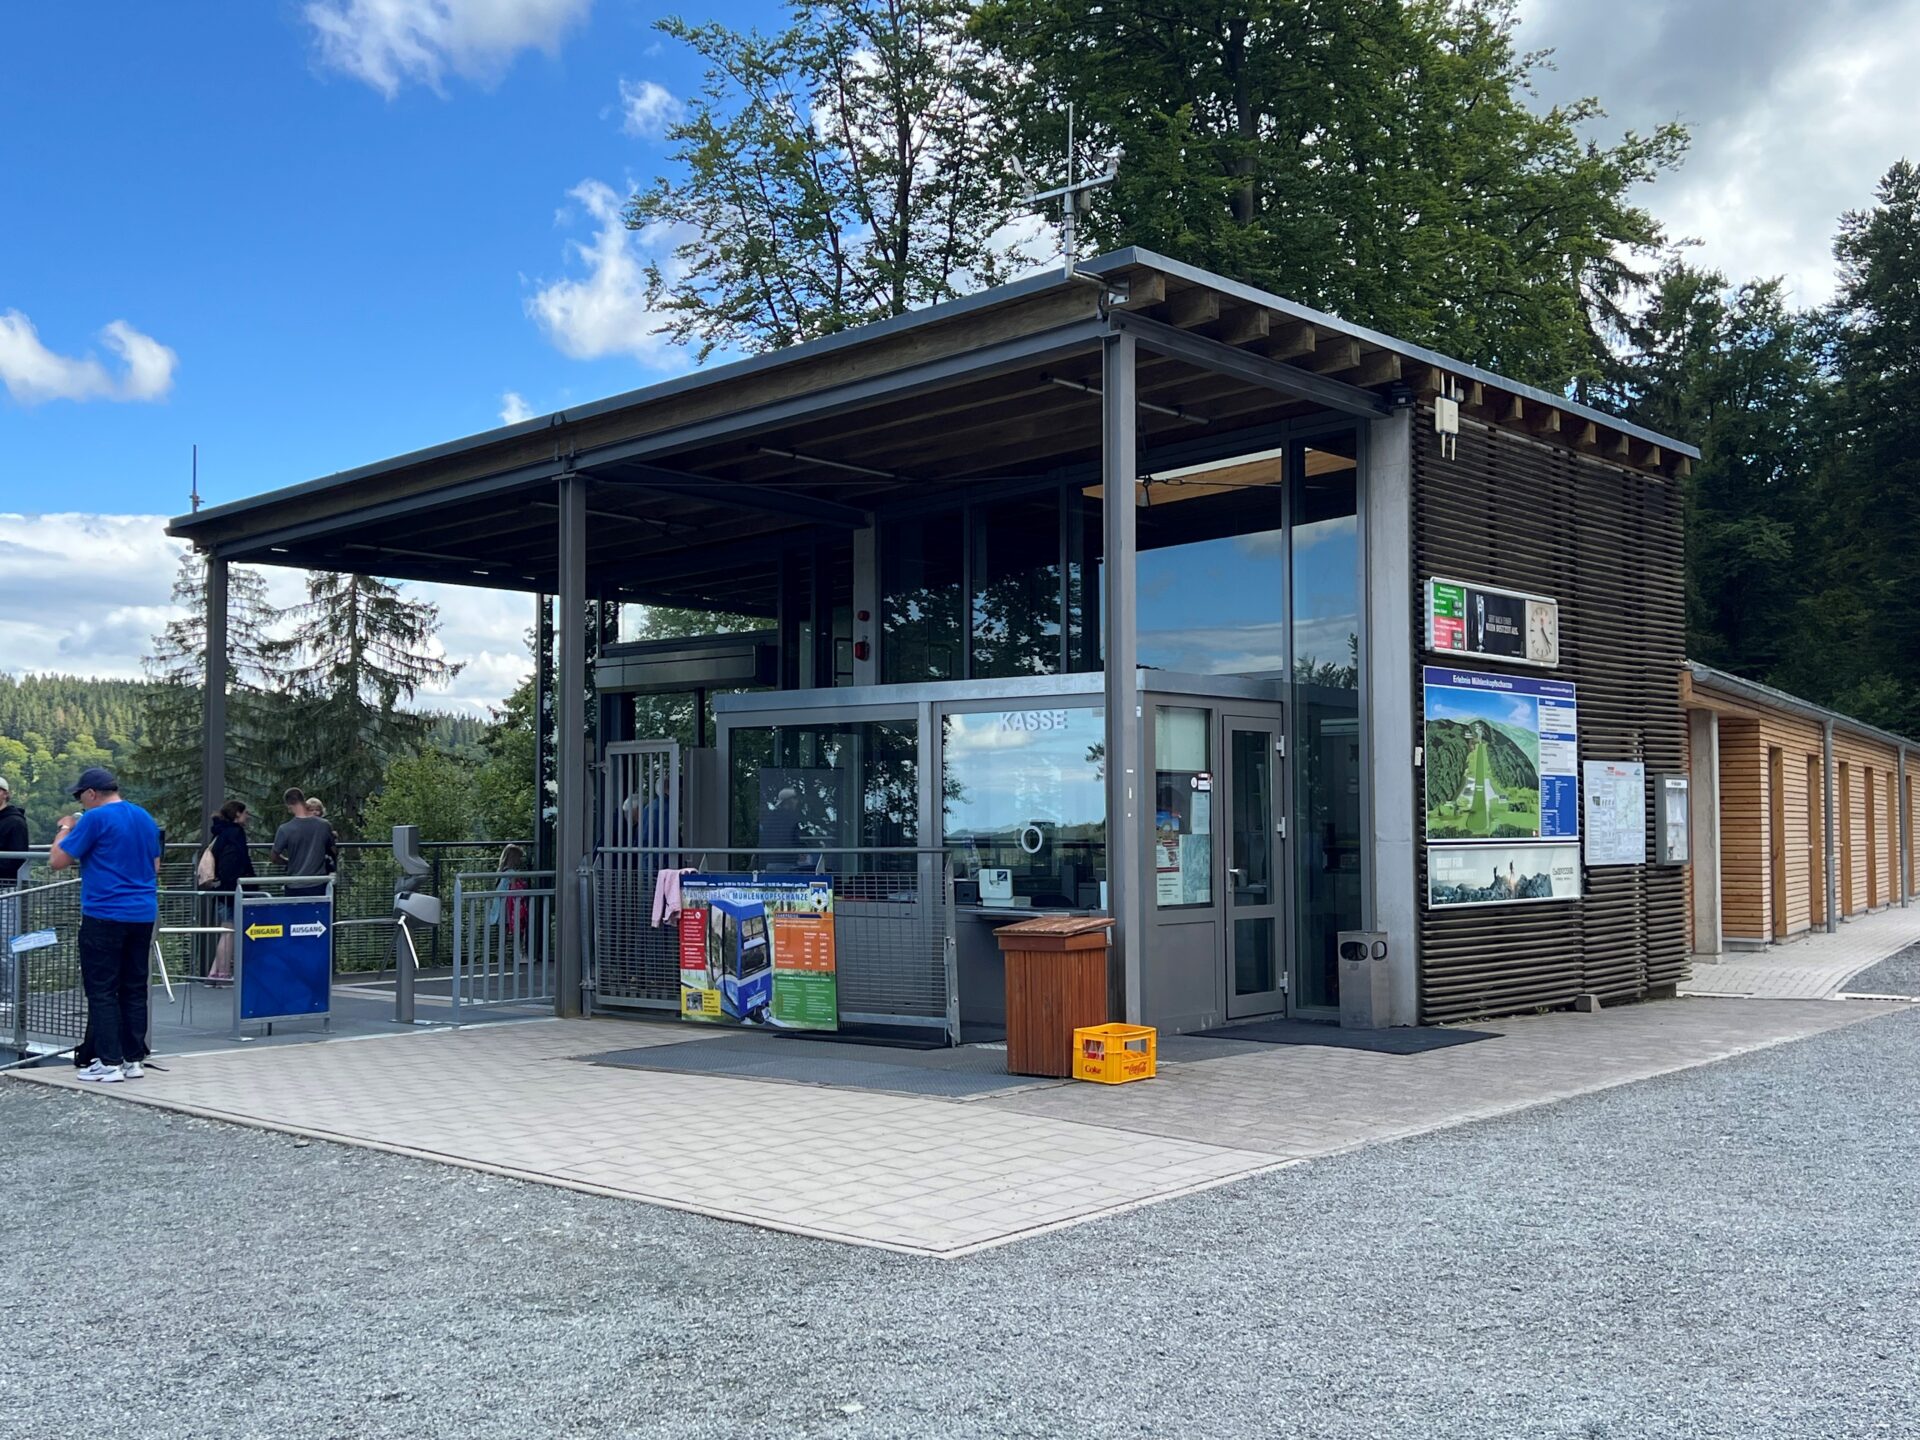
[758, 950]
[1616, 812]
[1501, 874]
[1479, 620]
[1502, 757]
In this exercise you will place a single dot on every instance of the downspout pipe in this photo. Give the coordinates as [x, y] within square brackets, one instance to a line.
[1833, 858]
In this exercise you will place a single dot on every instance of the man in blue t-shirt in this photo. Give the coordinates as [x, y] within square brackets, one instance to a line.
[117, 847]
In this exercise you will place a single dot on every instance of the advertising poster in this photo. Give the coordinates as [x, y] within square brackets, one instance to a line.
[1616, 812]
[1502, 757]
[1478, 620]
[758, 951]
[1501, 874]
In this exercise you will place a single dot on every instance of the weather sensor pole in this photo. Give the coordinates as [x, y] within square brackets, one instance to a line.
[1073, 196]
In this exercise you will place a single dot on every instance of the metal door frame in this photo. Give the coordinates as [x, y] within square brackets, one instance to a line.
[1270, 720]
[624, 872]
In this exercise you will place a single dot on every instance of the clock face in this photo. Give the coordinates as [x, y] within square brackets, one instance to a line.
[1543, 634]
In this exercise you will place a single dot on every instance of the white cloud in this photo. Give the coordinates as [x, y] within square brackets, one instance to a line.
[391, 43]
[647, 108]
[605, 312]
[514, 409]
[32, 373]
[1796, 112]
[105, 626]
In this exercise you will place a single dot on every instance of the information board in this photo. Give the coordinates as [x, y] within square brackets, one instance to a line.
[1616, 812]
[1501, 755]
[286, 962]
[1492, 624]
[759, 950]
[1501, 874]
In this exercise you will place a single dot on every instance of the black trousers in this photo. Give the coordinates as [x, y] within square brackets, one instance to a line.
[113, 969]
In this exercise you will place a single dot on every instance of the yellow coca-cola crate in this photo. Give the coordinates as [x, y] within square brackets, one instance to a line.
[1115, 1054]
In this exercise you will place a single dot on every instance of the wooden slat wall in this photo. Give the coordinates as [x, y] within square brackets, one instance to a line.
[1744, 881]
[1877, 860]
[1607, 543]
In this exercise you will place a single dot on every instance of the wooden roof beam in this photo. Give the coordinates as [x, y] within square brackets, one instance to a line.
[1290, 342]
[1245, 323]
[1193, 307]
[1334, 355]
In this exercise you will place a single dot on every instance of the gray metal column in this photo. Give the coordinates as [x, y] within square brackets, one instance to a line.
[1833, 858]
[1126, 774]
[1703, 801]
[213, 697]
[1387, 694]
[569, 747]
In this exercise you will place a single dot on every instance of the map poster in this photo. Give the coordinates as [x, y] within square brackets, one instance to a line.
[1502, 757]
[759, 950]
[1616, 812]
[1501, 874]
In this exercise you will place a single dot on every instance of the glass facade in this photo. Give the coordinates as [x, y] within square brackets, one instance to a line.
[1328, 824]
[1024, 791]
[1016, 586]
[922, 601]
[823, 787]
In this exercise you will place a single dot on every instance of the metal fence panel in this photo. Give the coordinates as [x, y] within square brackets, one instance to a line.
[42, 1001]
[502, 937]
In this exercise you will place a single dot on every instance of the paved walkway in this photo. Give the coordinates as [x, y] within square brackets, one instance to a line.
[1813, 968]
[923, 1175]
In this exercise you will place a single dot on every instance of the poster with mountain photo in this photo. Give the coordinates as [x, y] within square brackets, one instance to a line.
[1502, 757]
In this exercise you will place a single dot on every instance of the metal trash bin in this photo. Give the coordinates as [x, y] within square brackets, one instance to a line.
[1365, 976]
[1056, 983]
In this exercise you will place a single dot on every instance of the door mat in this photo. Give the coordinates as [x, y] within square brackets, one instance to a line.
[1401, 1040]
[954, 1074]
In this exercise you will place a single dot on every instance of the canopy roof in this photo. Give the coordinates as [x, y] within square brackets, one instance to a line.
[695, 484]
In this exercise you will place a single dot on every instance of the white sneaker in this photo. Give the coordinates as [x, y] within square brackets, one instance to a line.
[132, 1070]
[101, 1074]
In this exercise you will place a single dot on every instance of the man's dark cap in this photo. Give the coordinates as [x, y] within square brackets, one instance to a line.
[95, 777]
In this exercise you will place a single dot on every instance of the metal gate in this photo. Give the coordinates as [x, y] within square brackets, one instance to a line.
[635, 964]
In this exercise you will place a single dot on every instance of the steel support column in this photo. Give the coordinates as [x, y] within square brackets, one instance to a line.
[213, 698]
[1126, 864]
[569, 748]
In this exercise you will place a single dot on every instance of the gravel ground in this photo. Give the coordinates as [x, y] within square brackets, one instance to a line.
[1726, 1252]
[1896, 975]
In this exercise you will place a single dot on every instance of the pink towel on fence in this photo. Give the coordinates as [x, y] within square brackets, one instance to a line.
[666, 896]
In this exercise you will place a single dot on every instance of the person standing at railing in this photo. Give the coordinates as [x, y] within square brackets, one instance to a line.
[117, 847]
[232, 863]
[507, 911]
[302, 842]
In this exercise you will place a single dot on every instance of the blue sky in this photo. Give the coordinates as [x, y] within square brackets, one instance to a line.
[308, 234]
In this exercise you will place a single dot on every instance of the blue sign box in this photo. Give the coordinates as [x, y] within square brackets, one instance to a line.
[286, 960]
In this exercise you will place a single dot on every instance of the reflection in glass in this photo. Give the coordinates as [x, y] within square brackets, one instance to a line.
[1326, 711]
[1254, 971]
[1025, 791]
[1182, 807]
[923, 631]
[1016, 587]
[822, 788]
[1212, 569]
[1252, 762]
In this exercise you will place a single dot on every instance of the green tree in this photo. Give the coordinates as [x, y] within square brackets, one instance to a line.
[427, 788]
[1863, 625]
[503, 785]
[1378, 160]
[1738, 371]
[360, 650]
[166, 764]
[843, 170]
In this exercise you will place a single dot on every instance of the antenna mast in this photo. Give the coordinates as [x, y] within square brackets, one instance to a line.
[1072, 196]
[194, 494]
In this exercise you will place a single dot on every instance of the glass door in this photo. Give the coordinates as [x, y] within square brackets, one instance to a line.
[1255, 829]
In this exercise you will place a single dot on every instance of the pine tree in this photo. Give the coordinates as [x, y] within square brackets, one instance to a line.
[359, 650]
[165, 766]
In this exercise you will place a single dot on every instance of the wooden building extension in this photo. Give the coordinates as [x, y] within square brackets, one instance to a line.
[1802, 816]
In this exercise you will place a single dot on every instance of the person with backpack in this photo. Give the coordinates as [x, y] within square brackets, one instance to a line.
[223, 865]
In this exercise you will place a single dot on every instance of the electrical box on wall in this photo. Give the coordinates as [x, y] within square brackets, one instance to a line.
[1672, 820]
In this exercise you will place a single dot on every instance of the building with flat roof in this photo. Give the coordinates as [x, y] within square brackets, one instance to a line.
[1133, 591]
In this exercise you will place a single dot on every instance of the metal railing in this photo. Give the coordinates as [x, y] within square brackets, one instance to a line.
[42, 1000]
[893, 927]
[363, 888]
[503, 934]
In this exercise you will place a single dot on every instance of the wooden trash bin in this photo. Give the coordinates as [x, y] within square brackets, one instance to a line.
[1056, 984]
